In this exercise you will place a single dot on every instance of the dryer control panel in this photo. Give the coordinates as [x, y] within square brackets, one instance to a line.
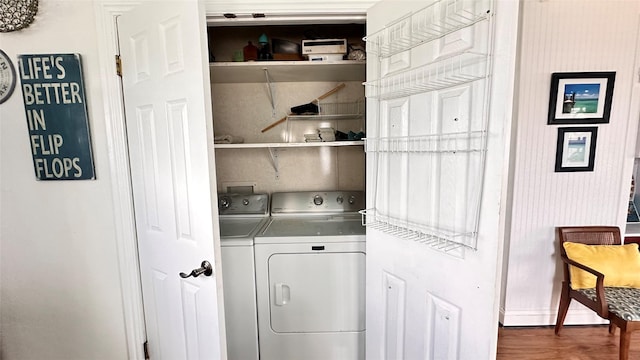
[317, 202]
[243, 204]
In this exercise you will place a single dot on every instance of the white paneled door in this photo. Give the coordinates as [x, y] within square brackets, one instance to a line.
[438, 100]
[167, 104]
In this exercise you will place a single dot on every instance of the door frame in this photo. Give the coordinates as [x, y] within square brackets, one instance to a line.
[106, 12]
[122, 193]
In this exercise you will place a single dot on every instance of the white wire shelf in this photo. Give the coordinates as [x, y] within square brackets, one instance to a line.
[444, 73]
[428, 188]
[437, 238]
[340, 116]
[430, 23]
[452, 143]
[335, 111]
[325, 117]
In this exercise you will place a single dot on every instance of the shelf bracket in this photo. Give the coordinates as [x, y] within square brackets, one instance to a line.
[270, 88]
[273, 153]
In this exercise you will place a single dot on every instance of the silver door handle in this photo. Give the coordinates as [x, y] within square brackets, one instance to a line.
[205, 268]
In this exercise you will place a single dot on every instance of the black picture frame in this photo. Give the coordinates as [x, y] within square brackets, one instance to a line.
[576, 149]
[580, 97]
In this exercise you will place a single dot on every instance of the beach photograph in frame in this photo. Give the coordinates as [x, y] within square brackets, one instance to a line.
[580, 97]
[576, 149]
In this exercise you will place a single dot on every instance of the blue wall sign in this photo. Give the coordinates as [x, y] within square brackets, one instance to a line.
[56, 107]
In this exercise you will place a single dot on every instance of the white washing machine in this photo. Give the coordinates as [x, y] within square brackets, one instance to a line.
[310, 277]
[241, 217]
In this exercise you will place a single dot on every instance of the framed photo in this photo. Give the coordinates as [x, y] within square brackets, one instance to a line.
[576, 149]
[580, 97]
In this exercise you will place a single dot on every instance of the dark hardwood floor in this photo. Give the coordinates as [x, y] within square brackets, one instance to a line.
[574, 343]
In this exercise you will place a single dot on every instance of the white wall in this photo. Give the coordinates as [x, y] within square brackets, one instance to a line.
[566, 36]
[59, 283]
[60, 290]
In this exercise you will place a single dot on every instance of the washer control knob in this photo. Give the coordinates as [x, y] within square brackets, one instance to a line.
[340, 199]
[245, 201]
[352, 199]
[318, 200]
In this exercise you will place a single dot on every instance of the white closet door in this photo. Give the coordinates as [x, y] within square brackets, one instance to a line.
[435, 163]
[167, 102]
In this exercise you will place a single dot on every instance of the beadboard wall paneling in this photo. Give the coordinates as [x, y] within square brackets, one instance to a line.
[565, 36]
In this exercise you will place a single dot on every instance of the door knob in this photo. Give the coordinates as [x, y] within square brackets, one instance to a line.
[205, 268]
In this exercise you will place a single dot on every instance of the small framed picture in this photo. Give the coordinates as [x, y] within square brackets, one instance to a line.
[580, 97]
[576, 149]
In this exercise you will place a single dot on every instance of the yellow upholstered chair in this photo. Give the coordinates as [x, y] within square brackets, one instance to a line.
[615, 294]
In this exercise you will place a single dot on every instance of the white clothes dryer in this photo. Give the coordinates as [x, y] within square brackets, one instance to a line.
[241, 217]
[310, 277]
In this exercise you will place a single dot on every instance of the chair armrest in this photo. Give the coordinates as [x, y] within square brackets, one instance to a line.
[600, 299]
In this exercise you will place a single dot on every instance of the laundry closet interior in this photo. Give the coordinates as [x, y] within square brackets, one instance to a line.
[290, 129]
[249, 96]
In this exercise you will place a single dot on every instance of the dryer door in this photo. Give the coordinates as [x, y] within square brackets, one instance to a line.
[319, 292]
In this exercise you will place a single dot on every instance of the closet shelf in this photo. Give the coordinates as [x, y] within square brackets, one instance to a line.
[325, 117]
[437, 238]
[444, 73]
[353, 110]
[439, 143]
[287, 71]
[430, 23]
[289, 145]
[340, 116]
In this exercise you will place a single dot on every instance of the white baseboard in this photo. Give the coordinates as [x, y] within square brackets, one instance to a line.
[548, 317]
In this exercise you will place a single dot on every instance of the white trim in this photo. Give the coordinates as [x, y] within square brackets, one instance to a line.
[281, 7]
[124, 223]
[502, 86]
[504, 65]
[575, 316]
[286, 12]
[286, 19]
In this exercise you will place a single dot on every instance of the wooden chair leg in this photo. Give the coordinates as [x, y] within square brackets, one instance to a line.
[625, 340]
[565, 300]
